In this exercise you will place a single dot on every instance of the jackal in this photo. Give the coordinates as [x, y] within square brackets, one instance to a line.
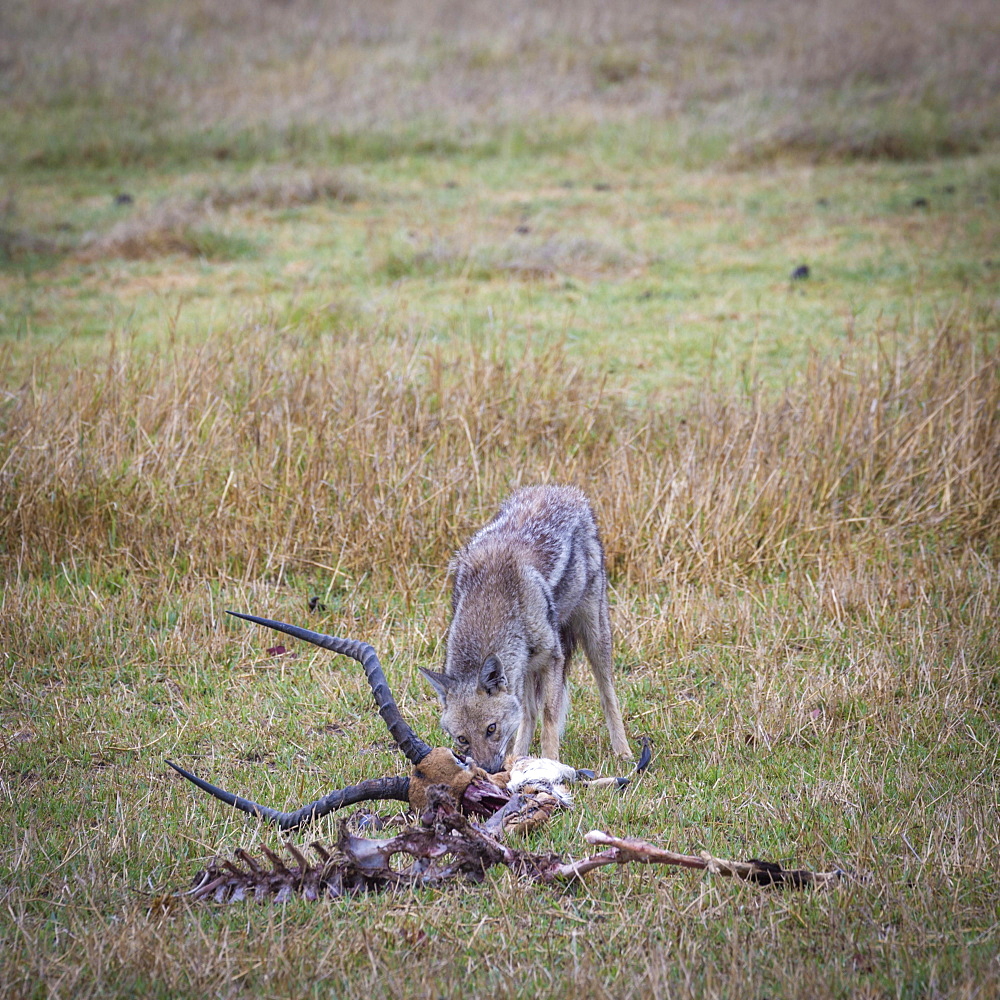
[528, 589]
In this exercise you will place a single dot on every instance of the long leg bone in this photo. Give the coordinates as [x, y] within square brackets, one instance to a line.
[448, 845]
[623, 850]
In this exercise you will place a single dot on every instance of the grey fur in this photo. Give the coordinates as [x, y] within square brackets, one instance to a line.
[528, 589]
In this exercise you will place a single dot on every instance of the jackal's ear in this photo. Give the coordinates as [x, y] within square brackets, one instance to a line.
[440, 683]
[492, 677]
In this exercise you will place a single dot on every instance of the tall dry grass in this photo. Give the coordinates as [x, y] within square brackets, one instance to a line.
[266, 452]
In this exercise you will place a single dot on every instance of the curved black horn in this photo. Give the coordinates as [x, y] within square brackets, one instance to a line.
[412, 746]
[374, 788]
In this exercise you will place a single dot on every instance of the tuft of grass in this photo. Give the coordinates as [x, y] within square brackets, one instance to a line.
[520, 259]
[23, 250]
[280, 188]
[179, 225]
[580, 257]
[165, 230]
[880, 133]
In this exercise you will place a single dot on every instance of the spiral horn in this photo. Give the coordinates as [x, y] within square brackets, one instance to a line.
[412, 746]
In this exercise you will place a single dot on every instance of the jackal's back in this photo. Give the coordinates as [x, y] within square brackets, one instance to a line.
[550, 528]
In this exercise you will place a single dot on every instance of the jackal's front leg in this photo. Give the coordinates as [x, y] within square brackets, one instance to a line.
[531, 696]
[554, 707]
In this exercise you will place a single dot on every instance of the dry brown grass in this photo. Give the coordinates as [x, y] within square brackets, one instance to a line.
[271, 450]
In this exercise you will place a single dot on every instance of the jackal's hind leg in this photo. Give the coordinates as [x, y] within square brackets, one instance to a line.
[595, 637]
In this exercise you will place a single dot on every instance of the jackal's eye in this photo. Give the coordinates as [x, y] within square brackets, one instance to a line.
[461, 740]
[491, 729]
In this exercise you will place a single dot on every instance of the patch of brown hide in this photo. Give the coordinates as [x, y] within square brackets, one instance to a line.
[442, 767]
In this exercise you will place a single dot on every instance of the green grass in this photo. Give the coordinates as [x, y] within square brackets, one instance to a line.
[672, 274]
[374, 273]
[763, 748]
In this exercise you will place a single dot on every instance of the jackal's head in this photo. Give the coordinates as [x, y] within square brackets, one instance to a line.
[481, 714]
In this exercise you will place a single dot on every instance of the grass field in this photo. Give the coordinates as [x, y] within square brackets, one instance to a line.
[291, 297]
